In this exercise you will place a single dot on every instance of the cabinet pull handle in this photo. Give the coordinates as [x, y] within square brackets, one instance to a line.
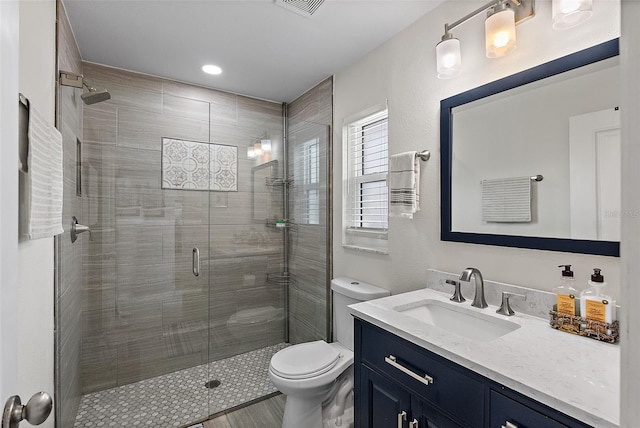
[508, 424]
[427, 380]
[413, 424]
[402, 416]
[196, 262]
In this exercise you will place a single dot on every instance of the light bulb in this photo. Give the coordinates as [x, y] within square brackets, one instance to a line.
[257, 149]
[501, 39]
[211, 69]
[250, 153]
[265, 145]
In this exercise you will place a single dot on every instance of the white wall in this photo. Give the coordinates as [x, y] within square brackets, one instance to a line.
[403, 71]
[35, 258]
[630, 248]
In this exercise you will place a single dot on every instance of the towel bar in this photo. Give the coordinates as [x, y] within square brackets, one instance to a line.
[424, 155]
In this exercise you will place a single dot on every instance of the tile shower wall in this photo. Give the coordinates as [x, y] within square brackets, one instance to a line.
[143, 311]
[310, 116]
[68, 293]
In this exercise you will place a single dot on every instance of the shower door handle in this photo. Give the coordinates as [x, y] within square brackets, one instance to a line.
[196, 261]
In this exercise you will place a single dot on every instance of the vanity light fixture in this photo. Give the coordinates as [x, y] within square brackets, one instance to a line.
[500, 33]
[569, 13]
[500, 30]
[449, 60]
[258, 148]
[265, 145]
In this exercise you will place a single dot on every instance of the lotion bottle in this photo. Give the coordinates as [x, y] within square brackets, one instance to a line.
[595, 303]
[567, 294]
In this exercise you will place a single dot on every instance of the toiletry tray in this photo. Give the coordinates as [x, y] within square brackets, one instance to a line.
[585, 327]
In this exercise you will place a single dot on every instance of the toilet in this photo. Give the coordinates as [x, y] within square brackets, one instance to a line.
[317, 377]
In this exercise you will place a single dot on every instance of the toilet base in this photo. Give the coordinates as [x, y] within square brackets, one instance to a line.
[302, 413]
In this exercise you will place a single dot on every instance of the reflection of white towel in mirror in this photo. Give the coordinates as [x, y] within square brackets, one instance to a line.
[507, 200]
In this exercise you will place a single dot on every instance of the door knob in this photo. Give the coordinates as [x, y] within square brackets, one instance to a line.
[36, 411]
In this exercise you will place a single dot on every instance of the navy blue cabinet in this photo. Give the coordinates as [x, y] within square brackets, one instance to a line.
[387, 401]
[389, 404]
[505, 410]
[401, 385]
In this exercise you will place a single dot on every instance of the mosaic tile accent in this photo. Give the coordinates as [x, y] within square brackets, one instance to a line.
[179, 398]
[191, 165]
[224, 168]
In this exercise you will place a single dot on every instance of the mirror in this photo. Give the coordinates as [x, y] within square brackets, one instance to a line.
[262, 177]
[559, 121]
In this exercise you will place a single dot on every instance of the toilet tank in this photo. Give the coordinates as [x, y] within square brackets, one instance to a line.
[347, 291]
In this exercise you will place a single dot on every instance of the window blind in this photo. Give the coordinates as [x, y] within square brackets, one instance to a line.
[367, 205]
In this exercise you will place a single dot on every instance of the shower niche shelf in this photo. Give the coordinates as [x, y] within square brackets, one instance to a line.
[286, 225]
[278, 182]
[281, 278]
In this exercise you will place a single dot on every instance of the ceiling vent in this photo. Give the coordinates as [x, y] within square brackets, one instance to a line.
[301, 7]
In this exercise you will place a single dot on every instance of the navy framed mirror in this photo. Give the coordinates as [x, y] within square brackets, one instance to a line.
[558, 123]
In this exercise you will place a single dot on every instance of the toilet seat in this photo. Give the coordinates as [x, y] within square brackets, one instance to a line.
[305, 360]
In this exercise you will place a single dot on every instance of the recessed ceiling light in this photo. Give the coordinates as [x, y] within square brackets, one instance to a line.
[211, 69]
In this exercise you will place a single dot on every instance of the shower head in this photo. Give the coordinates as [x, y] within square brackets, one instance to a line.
[95, 95]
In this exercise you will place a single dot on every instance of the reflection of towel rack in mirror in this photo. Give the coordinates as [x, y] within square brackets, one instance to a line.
[23, 137]
[537, 177]
[424, 155]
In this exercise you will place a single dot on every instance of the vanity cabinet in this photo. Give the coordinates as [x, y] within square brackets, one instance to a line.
[391, 405]
[399, 384]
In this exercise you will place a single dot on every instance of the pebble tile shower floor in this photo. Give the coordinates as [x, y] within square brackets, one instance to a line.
[179, 398]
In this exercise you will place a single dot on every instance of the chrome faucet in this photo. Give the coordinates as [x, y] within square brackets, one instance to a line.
[478, 297]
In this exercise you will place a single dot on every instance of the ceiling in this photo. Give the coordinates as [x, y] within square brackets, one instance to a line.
[265, 50]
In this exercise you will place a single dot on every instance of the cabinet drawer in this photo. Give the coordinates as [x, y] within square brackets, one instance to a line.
[505, 410]
[451, 390]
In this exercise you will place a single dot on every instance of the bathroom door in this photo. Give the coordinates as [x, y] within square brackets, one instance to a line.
[595, 175]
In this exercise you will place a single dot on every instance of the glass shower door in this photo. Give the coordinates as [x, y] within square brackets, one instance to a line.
[132, 301]
[68, 266]
[247, 310]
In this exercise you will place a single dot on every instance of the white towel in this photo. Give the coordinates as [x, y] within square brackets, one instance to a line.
[507, 200]
[404, 185]
[44, 178]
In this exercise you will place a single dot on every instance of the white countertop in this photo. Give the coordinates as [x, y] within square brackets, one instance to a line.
[572, 374]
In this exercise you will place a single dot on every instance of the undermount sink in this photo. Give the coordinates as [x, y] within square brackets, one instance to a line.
[458, 320]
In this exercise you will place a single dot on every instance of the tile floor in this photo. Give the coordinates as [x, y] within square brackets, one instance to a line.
[179, 398]
[264, 414]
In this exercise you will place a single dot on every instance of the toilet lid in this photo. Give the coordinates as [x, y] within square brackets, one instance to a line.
[305, 360]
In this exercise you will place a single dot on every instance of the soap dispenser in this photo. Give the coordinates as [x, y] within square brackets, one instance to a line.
[566, 293]
[595, 303]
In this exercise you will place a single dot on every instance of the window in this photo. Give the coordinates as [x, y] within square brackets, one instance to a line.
[366, 203]
[306, 172]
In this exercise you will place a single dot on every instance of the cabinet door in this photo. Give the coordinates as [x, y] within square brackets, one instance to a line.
[381, 402]
[506, 412]
[428, 416]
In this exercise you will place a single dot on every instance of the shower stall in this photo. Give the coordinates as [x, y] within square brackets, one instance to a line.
[199, 261]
